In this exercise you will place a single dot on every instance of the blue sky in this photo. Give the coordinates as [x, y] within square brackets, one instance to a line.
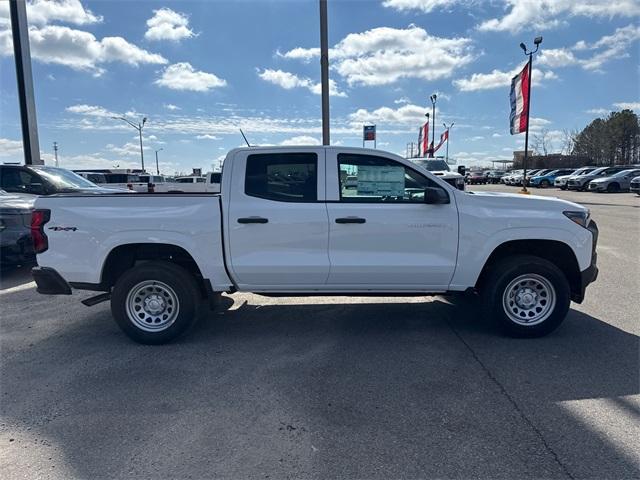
[201, 69]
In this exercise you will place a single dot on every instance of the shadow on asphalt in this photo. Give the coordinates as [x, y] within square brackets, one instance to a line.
[15, 275]
[367, 390]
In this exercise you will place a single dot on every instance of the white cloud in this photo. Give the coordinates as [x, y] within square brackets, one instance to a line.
[171, 106]
[289, 80]
[598, 111]
[91, 110]
[628, 105]
[424, 6]
[609, 47]
[499, 79]
[402, 101]
[78, 49]
[301, 140]
[207, 136]
[409, 115]
[547, 14]
[10, 147]
[384, 55]
[496, 135]
[168, 25]
[182, 76]
[42, 12]
[131, 149]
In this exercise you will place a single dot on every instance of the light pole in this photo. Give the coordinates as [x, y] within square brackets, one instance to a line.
[55, 151]
[537, 41]
[433, 99]
[448, 129]
[157, 167]
[324, 71]
[139, 128]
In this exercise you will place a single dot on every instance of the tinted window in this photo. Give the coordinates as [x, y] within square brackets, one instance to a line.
[17, 180]
[371, 179]
[284, 177]
[200, 180]
[184, 180]
[216, 177]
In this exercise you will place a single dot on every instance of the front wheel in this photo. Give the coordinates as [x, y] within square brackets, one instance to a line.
[545, 183]
[526, 295]
[155, 302]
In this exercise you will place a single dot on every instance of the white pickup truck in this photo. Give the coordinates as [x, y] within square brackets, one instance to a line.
[285, 223]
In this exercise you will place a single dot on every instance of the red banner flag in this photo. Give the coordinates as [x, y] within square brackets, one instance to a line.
[519, 117]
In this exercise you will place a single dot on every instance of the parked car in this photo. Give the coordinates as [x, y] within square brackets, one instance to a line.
[209, 183]
[476, 178]
[16, 246]
[545, 180]
[506, 179]
[618, 182]
[561, 181]
[441, 169]
[45, 180]
[581, 182]
[494, 176]
[518, 179]
[284, 224]
[635, 185]
[126, 181]
[94, 177]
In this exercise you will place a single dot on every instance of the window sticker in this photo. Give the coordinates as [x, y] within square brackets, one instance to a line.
[380, 181]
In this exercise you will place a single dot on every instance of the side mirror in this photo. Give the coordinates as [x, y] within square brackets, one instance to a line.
[461, 170]
[435, 196]
[35, 189]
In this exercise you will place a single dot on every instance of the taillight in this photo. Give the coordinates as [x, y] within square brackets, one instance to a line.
[38, 220]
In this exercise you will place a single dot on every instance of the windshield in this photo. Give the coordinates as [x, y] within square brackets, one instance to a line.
[64, 179]
[624, 173]
[432, 165]
[598, 170]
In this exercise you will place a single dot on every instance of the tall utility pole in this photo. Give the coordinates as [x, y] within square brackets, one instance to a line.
[433, 99]
[448, 130]
[537, 41]
[324, 71]
[26, 99]
[55, 151]
[139, 128]
[157, 166]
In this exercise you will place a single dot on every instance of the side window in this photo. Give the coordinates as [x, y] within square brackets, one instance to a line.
[16, 180]
[371, 179]
[200, 180]
[283, 177]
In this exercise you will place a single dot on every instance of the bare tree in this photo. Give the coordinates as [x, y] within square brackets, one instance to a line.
[542, 142]
[568, 141]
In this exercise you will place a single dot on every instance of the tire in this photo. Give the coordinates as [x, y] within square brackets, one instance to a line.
[613, 187]
[166, 297]
[544, 293]
[545, 184]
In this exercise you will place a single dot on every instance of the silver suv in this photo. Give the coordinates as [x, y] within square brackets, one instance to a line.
[618, 182]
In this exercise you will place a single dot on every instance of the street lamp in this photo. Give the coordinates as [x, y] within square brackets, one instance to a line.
[157, 167]
[448, 129]
[139, 128]
[433, 99]
[537, 41]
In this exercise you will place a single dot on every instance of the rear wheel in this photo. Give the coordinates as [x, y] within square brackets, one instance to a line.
[155, 302]
[526, 296]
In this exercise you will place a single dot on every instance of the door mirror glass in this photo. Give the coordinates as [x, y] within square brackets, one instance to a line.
[435, 196]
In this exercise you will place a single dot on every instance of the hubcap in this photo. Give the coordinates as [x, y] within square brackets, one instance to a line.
[152, 306]
[529, 299]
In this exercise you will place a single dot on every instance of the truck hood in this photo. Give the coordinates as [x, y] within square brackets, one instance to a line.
[533, 202]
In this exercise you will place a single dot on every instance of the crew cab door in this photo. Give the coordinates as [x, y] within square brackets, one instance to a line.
[277, 223]
[381, 233]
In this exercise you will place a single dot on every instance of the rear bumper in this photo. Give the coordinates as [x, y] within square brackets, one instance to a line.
[50, 282]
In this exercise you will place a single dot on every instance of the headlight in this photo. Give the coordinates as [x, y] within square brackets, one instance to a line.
[581, 218]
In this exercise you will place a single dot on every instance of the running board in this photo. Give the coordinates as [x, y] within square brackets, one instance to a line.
[90, 302]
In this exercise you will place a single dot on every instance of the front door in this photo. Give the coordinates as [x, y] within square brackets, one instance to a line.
[277, 223]
[381, 233]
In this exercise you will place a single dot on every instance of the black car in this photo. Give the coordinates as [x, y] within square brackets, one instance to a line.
[44, 180]
[16, 246]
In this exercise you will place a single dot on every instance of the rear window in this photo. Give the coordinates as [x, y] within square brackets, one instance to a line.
[122, 178]
[283, 177]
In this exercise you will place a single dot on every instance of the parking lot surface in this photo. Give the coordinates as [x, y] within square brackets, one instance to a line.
[330, 387]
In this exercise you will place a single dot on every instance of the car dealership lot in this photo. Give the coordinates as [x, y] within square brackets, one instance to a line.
[330, 386]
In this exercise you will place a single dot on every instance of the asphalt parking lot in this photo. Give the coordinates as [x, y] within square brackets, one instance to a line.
[330, 387]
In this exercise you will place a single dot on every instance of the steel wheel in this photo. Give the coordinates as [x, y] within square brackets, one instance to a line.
[152, 306]
[529, 299]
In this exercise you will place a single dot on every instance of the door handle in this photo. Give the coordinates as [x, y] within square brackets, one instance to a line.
[351, 220]
[253, 220]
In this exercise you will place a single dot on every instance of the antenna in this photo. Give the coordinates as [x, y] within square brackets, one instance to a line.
[245, 138]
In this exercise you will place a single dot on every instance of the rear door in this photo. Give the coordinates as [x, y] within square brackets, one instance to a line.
[381, 233]
[277, 223]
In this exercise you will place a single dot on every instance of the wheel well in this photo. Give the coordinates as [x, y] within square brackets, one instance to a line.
[558, 253]
[123, 257]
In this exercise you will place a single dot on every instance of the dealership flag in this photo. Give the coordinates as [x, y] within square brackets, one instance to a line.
[423, 140]
[443, 138]
[519, 117]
